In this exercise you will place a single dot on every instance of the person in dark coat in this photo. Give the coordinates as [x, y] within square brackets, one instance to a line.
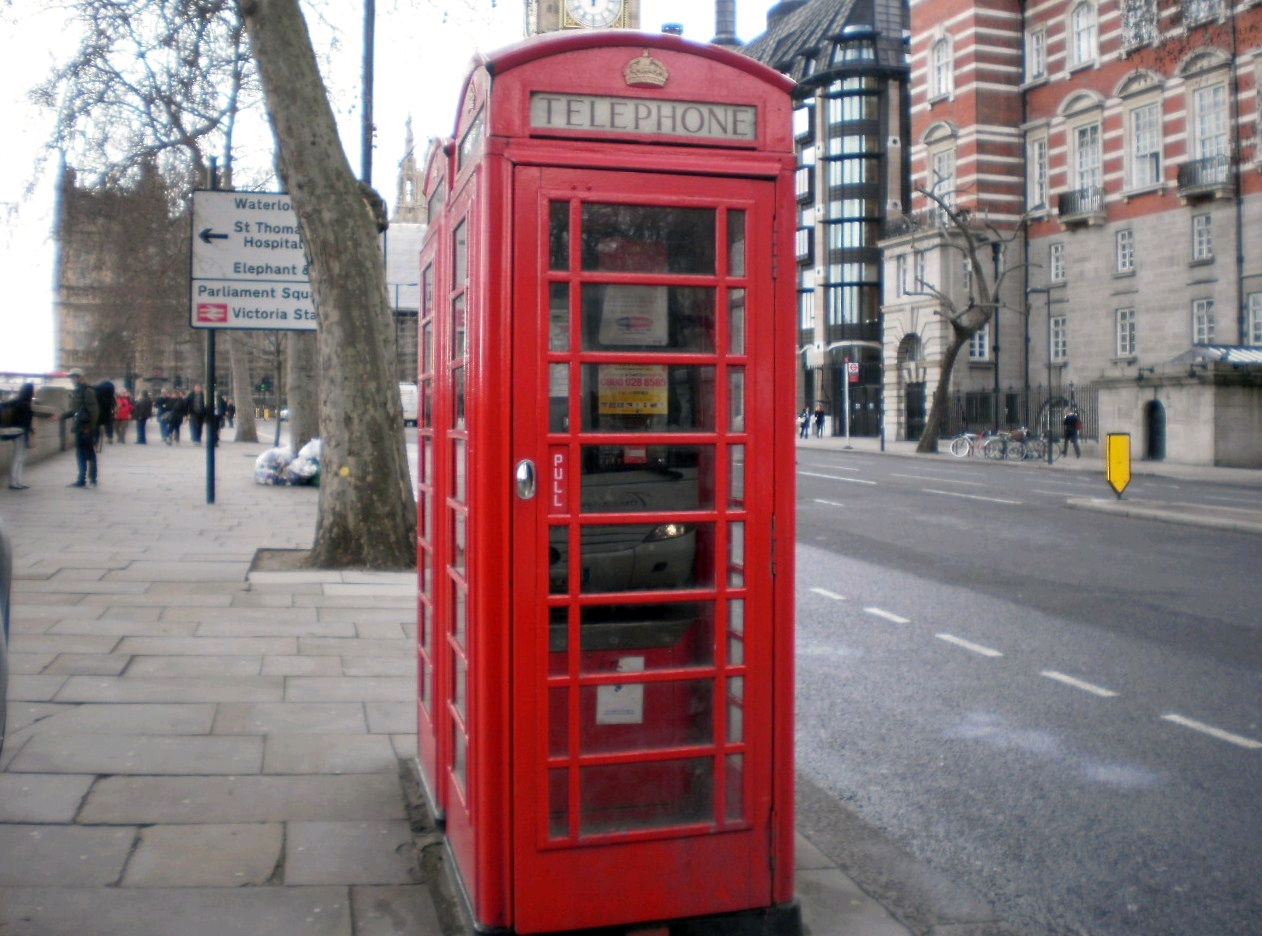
[140, 414]
[19, 430]
[195, 409]
[105, 403]
[83, 415]
[176, 408]
[1072, 424]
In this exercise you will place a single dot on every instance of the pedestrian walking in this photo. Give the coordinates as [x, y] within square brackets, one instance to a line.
[819, 420]
[195, 409]
[83, 415]
[231, 411]
[804, 423]
[123, 415]
[140, 416]
[105, 404]
[1072, 423]
[18, 428]
[176, 408]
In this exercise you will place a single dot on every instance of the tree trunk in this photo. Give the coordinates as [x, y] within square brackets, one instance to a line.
[367, 515]
[302, 388]
[941, 394]
[242, 388]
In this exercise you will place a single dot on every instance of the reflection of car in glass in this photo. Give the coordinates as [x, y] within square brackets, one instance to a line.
[6, 579]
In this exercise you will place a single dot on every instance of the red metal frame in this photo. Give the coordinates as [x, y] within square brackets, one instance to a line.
[491, 674]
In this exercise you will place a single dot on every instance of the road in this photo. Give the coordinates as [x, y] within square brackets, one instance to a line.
[1059, 710]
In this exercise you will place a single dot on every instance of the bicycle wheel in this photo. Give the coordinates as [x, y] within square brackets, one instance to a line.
[961, 446]
[1016, 451]
[993, 449]
[1035, 450]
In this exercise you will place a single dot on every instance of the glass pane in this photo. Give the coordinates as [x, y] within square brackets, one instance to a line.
[736, 554]
[558, 803]
[459, 754]
[427, 348]
[558, 641]
[559, 317]
[736, 476]
[736, 632]
[427, 517]
[735, 791]
[664, 636]
[647, 398]
[625, 317]
[427, 579]
[457, 391]
[636, 716]
[558, 721]
[459, 467]
[646, 556]
[427, 461]
[558, 559]
[457, 327]
[426, 678]
[647, 239]
[460, 255]
[641, 478]
[736, 243]
[458, 542]
[735, 710]
[736, 399]
[623, 797]
[736, 321]
[559, 235]
[558, 397]
[460, 692]
[460, 624]
[427, 291]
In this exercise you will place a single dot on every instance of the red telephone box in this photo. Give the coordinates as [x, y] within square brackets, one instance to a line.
[606, 492]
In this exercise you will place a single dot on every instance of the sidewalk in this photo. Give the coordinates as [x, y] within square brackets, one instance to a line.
[195, 748]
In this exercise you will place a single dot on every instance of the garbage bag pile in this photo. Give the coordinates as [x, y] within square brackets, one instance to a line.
[281, 466]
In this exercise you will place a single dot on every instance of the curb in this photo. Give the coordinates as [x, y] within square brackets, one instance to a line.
[1166, 515]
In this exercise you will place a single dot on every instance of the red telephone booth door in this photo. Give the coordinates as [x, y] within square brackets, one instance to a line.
[642, 521]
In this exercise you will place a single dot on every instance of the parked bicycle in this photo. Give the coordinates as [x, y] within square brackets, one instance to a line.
[966, 444]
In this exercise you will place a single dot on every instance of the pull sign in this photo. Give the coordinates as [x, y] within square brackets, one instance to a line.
[558, 481]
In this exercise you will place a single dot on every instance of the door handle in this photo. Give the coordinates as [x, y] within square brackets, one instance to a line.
[525, 477]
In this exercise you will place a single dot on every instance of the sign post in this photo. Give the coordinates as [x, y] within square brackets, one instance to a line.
[1117, 461]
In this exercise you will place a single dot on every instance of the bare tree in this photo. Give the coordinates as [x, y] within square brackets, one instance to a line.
[984, 248]
[367, 510]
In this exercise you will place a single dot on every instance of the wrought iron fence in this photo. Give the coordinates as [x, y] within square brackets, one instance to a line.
[974, 410]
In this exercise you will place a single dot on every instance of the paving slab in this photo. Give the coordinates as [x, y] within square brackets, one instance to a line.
[72, 611]
[35, 688]
[290, 718]
[236, 855]
[383, 629]
[404, 745]
[206, 571]
[243, 799]
[87, 664]
[236, 615]
[348, 688]
[352, 602]
[73, 856]
[349, 853]
[129, 718]
[29, 664]
[380, 666]
[22, 714]
[216, 646]
[41, 797]
[139, 754]
[294, 665]
[119, 628]
[333, 646]
[184, 689]
[406, 910]
[202, 664]
[155, 598]
[280, 626]
[62, 644]
[402, 589]
[256, 911]
[391, 717]
[329, 754]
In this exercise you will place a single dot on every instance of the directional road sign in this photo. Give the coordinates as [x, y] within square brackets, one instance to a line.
[249, 266]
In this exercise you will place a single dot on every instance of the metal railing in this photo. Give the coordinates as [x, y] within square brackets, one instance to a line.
[1082, 202]
[1212, 172]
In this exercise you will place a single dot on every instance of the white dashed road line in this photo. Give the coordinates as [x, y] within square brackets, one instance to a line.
[968, 645]
[1079, 684]
[1213, 732]
[828, 503]
[939, 478]
[881, 613]
[829, 467]
[827, 594]
[812, 474]
[993, 500]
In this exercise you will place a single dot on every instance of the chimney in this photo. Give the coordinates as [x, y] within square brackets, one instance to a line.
[725, 24]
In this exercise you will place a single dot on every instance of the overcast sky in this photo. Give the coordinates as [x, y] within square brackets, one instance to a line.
[422, 54]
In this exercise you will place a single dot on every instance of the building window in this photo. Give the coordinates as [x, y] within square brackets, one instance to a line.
[1058, 339]
[1139, 22]
[1199, 11]
[1087, 157]
[1210, 107]
[900, 275]
[943, 168]
[1036, 197]
[1125, 251]
[1125, 332]
[1056, 262]
[1253, 324]
[1145, 132]
[979, 344]
[1036, 54]
[1203, 321]
[1082, 33]
[806, 298]
[918, 270]
[1202, 238]
[941, 69]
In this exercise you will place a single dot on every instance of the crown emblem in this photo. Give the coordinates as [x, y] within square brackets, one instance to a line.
[646, 72]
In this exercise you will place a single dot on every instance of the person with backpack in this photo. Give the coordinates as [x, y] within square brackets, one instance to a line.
[16, 425]
[1072, 424]
[105, 403]
[83, 416]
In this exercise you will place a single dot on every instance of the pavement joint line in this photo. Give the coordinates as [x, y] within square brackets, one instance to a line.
[829, 594]
[1079, 684]
[888, 615]
[969, 645]
[812, 474]
[1238, 740]
[980, 497]
[938, 478]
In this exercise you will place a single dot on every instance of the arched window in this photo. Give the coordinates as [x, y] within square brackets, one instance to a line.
[941, 69]
[1082, 35]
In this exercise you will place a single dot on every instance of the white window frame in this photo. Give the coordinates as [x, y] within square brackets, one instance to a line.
[1203, 321]
[1058, 339]
[1125, 330]
[1253, 320]
[1081, 35]
[1144, 139]
[941, 182]
[979, 344]
[1036, 173]
[1210, 136]
[1124, 251]
[1036, 54]
[900, 275]
[941, 69]
[1088, 166]
[1056, 262]
[919, 278]
[1202, 238]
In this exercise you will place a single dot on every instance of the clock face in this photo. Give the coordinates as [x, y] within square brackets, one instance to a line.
[595, 13]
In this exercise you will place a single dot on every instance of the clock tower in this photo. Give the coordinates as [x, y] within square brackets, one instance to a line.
[543, 16]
